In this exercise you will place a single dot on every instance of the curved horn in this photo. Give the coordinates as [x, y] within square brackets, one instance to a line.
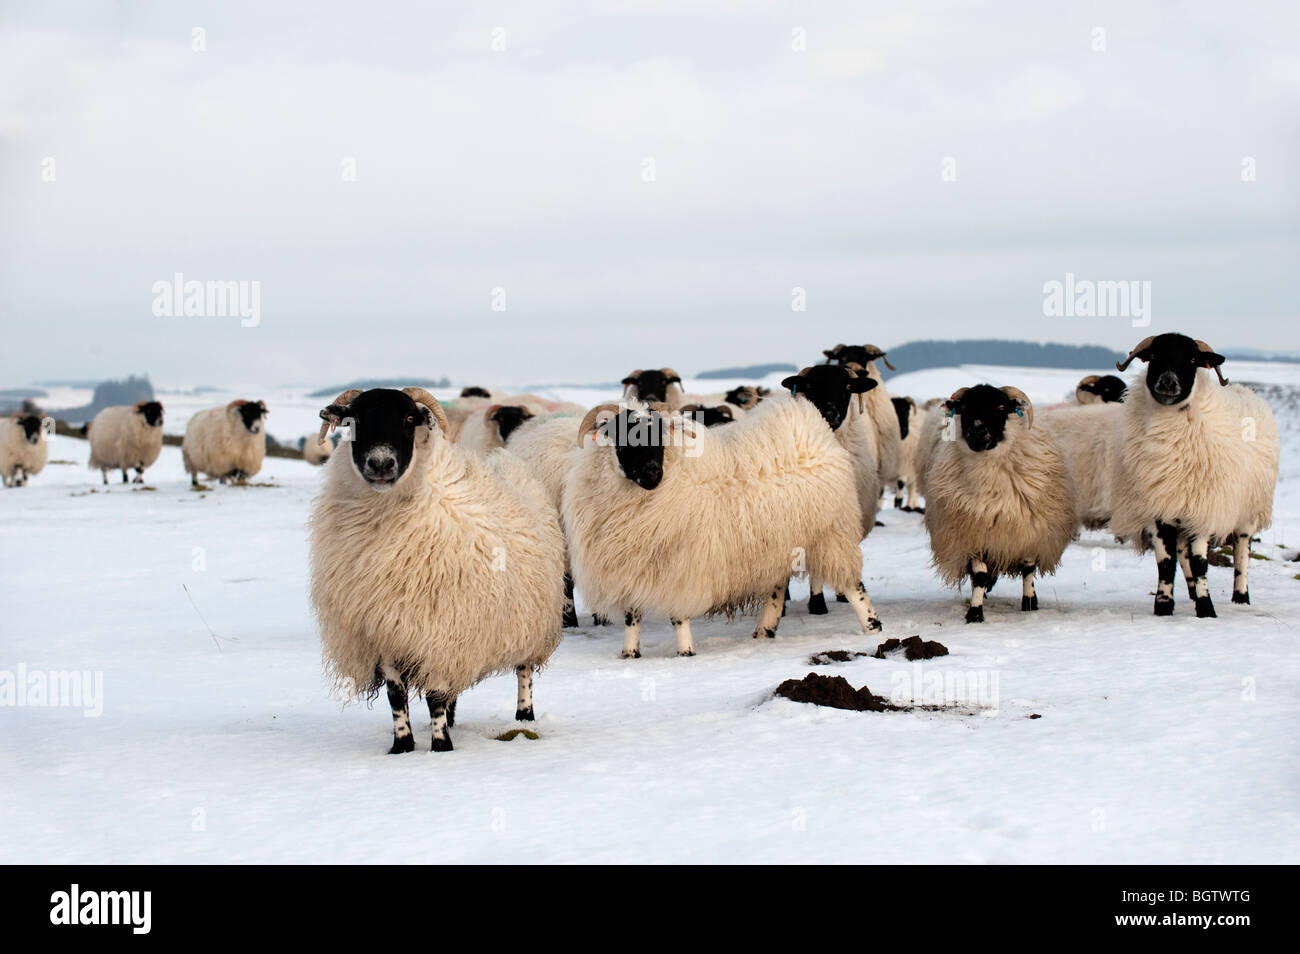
[589, 422]
[1090, 379]
[873, 353]
[1023, 400]
[671, 375]
[421, 396]
[832, 352]
[1138, 349]
[331, 420]
[1206, 349]
[633, 377]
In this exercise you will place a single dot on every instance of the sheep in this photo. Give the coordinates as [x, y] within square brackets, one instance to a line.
[1088, 435]
[431, 568]
[654, 386]
[668, 517]
[830, 388]
[713, 415]
[1196, 462]
[908, 419]
[23, 447]
[127, 436]
[878, 404]
[998, 495]
[1100, 389]
[484, 431]
[227, 442]
[315, 449]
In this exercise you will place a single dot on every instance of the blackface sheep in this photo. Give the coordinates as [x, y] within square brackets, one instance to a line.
[128, 437]
[316, 450]
[431, 568]
[665, 516]
[228, 442]
[1197, 462]
[908, 419]
[1100, 389]
[878, 405]
[23, 447]
[655, 386]
[485, 430]
[998, 495]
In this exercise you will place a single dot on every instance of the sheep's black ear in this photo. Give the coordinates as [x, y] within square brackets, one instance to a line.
[629, 381]
[792, 382]
[951, 406]
[333, 412]
[859, 385]
[1210, 360]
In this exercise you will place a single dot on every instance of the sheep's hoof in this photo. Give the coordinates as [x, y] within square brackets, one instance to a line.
[599, 620]
[898, 503]
[874, 625]
[1205, 608]
[768, 633]
[975, 614]
[524, 715]
[634, 654]
[570, 620]
[817, 604]
[1164, 606]
[441, 745]
[1241, 597]
[404, 743]
[841, 598]
[1028, 603]
[687, 652]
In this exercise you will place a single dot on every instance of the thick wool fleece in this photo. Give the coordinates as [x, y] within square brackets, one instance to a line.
[907, 448]
[16, 452]
[930, 434]
[1209, 464]
[857, 435]
[1089, 436]
[1008, 506]
[455, 574]
[884, 419]
[217, 443]
[767, 497]
[546, 445]
[120, 437]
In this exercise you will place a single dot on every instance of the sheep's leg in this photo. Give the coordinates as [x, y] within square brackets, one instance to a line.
[441, 705]
[1241, 568]
[1186, 564]
[866, 612]
[1200, 561]
[685, 645]
[403, 739]
[898, 494]
[139, 476]
[524, 708]
[451, 713]
[913, 497]
[1028, 597]
[1165, 541]
[103, 472]
[816, 598]
[632, 635]
[840, 597]
[125, 477]
[570, 614]
[599, 620]
[787, 599]
[770, 616]
[980, 581]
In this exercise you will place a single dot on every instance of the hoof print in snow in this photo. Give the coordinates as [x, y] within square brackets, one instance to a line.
[834, 656]
[912, 648]
[834, 692]
[516, 733]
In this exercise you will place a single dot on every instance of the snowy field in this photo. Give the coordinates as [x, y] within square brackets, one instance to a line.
[216, 740]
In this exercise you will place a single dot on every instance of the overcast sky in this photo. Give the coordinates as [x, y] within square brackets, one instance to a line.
[787, 146]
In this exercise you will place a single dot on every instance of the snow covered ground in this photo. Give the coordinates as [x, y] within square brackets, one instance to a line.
[1158, 740]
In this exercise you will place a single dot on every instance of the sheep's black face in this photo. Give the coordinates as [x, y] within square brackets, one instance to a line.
[252, 412]
[638, 439]
[384, 423]
[1110, 388]
[983, 410]
[830, 388]
[474, 392]
[152, 412]
[903, 408]
[508, 418]
[744, 397]
[652, 386]
[850, 354]
[715, 416]
[1172, 362]
[31, 425]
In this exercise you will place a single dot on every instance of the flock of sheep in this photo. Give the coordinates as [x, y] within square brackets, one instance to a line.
[447, 539]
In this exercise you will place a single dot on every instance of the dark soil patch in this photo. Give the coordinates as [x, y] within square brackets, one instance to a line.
[913, 648]
[1034, 715]
[835, 692]
[833, 656]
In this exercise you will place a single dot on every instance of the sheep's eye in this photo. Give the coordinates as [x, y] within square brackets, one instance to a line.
[410, 419]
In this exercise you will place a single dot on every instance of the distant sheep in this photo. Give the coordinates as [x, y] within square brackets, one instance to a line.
[1197, 462]
[23, 447]
[1089, 436]
[1100, 389]
[483, 431]
[228, 442]
[316, 450]
[879, 406]
[908, 420]
[661, 386]
[128, 437]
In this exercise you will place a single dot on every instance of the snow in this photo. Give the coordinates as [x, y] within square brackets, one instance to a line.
[1159, 740]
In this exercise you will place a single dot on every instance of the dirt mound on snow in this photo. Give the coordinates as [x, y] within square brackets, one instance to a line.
[914, 648]
[834, 692]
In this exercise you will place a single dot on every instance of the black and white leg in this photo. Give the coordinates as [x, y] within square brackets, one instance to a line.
[769, 617]
[787, 600]
[103, 471]
[980, 581]
[403, 738]
[1028, 597]
[125, 476]
[864, 609]
[598, 620]
[1199, 559]
[524, 707]
[1241, 568]
[632, 634]
[816, 598]
[139, 476]
[1165, 542]
[682, 629]
[441, 707]
[1184, 562]
[570, 617]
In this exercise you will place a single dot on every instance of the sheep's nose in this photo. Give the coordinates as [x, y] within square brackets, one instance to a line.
[1167, 383]
[381, 464]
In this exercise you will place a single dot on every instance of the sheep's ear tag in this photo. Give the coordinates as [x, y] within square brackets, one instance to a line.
[1020, 411]
[794, 388]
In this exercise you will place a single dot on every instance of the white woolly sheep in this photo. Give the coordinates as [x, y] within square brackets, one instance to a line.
[23, 447]
[126, 436]
[316, 450]
[665, 516]
[1197, 462]
[1100, 389]
[228, 442]
[879, 406]
[431, 569]
[998, 495]
[906, 496]
[487, 429]
[655, 386]
[1089, 436]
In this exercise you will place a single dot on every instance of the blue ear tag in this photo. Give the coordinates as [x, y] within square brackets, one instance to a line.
[1020, 411]
[794, 387]
[950, 413]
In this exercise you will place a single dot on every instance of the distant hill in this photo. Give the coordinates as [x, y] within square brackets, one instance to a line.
[919, 355]
[751, 371]
[367, 383]
[107, 394]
